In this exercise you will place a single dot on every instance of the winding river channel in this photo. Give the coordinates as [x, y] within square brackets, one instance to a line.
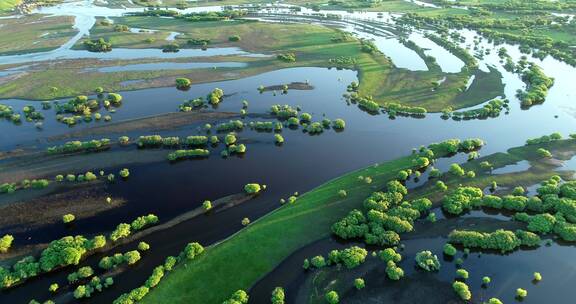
[303, 162]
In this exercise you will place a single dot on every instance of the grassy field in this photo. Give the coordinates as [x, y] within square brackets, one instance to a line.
[34, 33]
[257, 249]
[8, 5]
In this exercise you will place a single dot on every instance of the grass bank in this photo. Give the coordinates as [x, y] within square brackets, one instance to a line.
[254, 251]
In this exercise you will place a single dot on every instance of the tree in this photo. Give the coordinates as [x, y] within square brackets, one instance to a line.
[230, 139]
[394, 272]
[207, 205]
[521, 293]
[131, 257]
[6, 243]
[537, 277]
[486, 280]
[183, 83]
[427, 261]
[277, 296]
[143, 246]
[192, 250]
[389, 254]
[245, 221]
[359, 283]
[53, 287]
[543, 153]
[462, 273]
[124, 173]
[456, 170]
[494, 301]
[339, 124]
[68, 218]
[252, 188]
[462, 290]
[332, 297]
[449, 250]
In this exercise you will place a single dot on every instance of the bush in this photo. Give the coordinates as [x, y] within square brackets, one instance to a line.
[183, 83]
[332, 297]
[359, 283]
[277, 296]
[462, 273]
[6, 243]
[207, 205]
[234, 38]
[449, 250]
[143, 246]
[427, 261]
[252, 188]
[192, 250]
[462, 290]
[521, 293]
[68, 218]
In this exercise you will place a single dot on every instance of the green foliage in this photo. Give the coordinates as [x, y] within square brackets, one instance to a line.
[252, 188]
[359, 283]
[462, 273]
[462, 290]
[68, 218]
[6, 243]
[521, 293]
[427, 261]
[501, 240]
[79, 146]
[183, 83]
[332, 297]
[98, 45]
[192, 250]
[277, 296]
[462, 199]
[238, 297]
[393, 271]
[287, 57]
[449, 250]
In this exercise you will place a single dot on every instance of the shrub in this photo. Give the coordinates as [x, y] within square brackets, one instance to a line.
[427, 261]
[183, 83]
[192, 250]
[207, 205]
[359, 283]
[462, 273]
[143, 246]
[521, 293]
[449, 250]
[68, 218]
[6, 243]
[332, 297]
[462, 290]
[252, 188]
[277, 296]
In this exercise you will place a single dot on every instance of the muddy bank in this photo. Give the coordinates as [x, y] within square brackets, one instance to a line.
[82, 201]
[150, 124]
[291, 86]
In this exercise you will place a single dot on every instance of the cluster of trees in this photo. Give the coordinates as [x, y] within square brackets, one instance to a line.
[183, 83]
[387, 216]
[368, 46]
[394, 109]
[350, 257]
[544, 139]
[95, 284]
[232, 125]
[469, 60]
[94, 145]
[343, 61]
[314, 128]
[31, 114]
[174, 141]
[452, 146]
[266, 126]
[129, 257]
[427, 261]
[537, 85]
[190, 252]
[286, 57]
[491, 109]
[502, 240]
[25, 184]
[191, 104]
[62, 252]
[7, 112]
[215, 97]
[124, 230]
[184, 154]
[462, 199]
[283, 111]
[365, 103]
[98, 45]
